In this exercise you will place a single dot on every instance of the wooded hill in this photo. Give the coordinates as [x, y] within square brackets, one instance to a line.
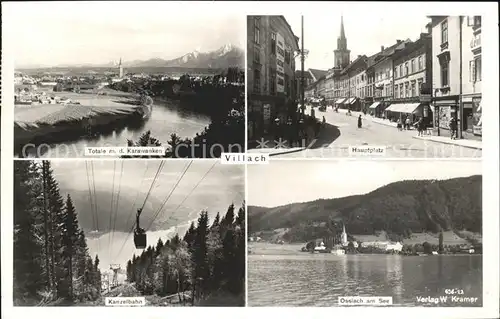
[208, 262]
[400, 208]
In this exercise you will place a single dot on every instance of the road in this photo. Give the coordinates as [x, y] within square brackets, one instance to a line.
[341, 132]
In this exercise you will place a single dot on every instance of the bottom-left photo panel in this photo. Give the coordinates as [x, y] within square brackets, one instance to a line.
[129, 233]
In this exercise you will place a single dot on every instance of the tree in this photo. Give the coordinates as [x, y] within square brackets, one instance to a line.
[27, 251]
[427, 248]
[69, 239]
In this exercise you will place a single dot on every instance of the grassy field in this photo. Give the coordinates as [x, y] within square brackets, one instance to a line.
[274, 249]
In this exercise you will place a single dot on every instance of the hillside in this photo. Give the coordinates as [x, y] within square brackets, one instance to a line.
[400, 208]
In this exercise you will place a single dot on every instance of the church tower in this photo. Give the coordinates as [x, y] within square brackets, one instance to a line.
[342, 54]
[343, 236]
[120, 68]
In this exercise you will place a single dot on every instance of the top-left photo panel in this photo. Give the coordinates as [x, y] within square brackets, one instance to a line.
[97, 80]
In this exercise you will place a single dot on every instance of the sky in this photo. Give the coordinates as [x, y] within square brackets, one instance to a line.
[365, 32]
[284, 182]
[223, 185]
[55, 33]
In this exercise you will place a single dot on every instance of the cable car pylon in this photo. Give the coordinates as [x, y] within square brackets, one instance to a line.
[115, 268]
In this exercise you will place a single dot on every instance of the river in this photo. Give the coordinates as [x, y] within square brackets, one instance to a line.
[167, 117]
[320, 279]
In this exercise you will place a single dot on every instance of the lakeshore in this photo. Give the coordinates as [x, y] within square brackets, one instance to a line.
[291, 249]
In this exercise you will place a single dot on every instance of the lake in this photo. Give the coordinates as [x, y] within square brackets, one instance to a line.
[307, 279]
[167, 117]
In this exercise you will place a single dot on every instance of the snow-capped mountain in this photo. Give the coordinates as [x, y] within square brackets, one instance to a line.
[226, 56]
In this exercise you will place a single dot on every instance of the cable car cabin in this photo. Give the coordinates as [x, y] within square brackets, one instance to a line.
[140, 240]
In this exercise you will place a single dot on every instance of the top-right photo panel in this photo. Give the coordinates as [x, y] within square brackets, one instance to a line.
[392, 87]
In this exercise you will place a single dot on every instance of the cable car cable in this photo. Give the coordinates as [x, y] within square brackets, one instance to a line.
[169, 195]
[189, 194]
[111, 208]
[134, 224]
[117, 202]
[90, 195]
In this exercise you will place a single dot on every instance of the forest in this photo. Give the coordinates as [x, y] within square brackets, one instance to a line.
[207, 95]
[52, 265]
[207, 263]
[223, 102]
[400, 209]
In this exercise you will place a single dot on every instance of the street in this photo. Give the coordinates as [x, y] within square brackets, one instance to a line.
[341, 132]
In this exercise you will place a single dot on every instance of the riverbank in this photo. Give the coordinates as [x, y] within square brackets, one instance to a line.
[52, 123]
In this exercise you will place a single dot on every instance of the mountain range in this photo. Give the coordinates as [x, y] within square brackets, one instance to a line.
[226, 56]
[401, 208]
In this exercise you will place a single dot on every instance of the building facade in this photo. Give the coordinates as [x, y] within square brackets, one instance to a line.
[471, 82]
[271, 86]
[380, 75]
[456, 80]
[446, 67]
[412, 78]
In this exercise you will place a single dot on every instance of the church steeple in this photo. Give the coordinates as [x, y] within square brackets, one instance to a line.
[342, 54]
[342, 32]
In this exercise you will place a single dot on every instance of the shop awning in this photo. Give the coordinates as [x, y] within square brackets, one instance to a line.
[407, 108]
[351, 100]
[340, 101]
[374, 105]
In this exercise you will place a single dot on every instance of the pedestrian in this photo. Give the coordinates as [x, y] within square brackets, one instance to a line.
[400, 125]
[407, 123]
[360, 121]
[420, 127]
[324, 121]
[453, 128]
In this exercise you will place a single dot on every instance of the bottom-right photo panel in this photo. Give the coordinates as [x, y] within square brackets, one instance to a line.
[365, 233]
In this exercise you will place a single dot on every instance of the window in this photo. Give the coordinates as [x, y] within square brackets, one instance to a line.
[256, 55]
[388, 73]
[396, 92]
[256, 33]
[444, 32]
[401, 70]
[407, 89]
[413, 89]
[388, 90]
[475, 70]
[419, 85]
[407, 71]
[474, 21]
[256, 80]
[287, 56]
[272, 81]
[445, 74]
[413, 66]
[401, 91]
[273, 43]
[420, 63]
